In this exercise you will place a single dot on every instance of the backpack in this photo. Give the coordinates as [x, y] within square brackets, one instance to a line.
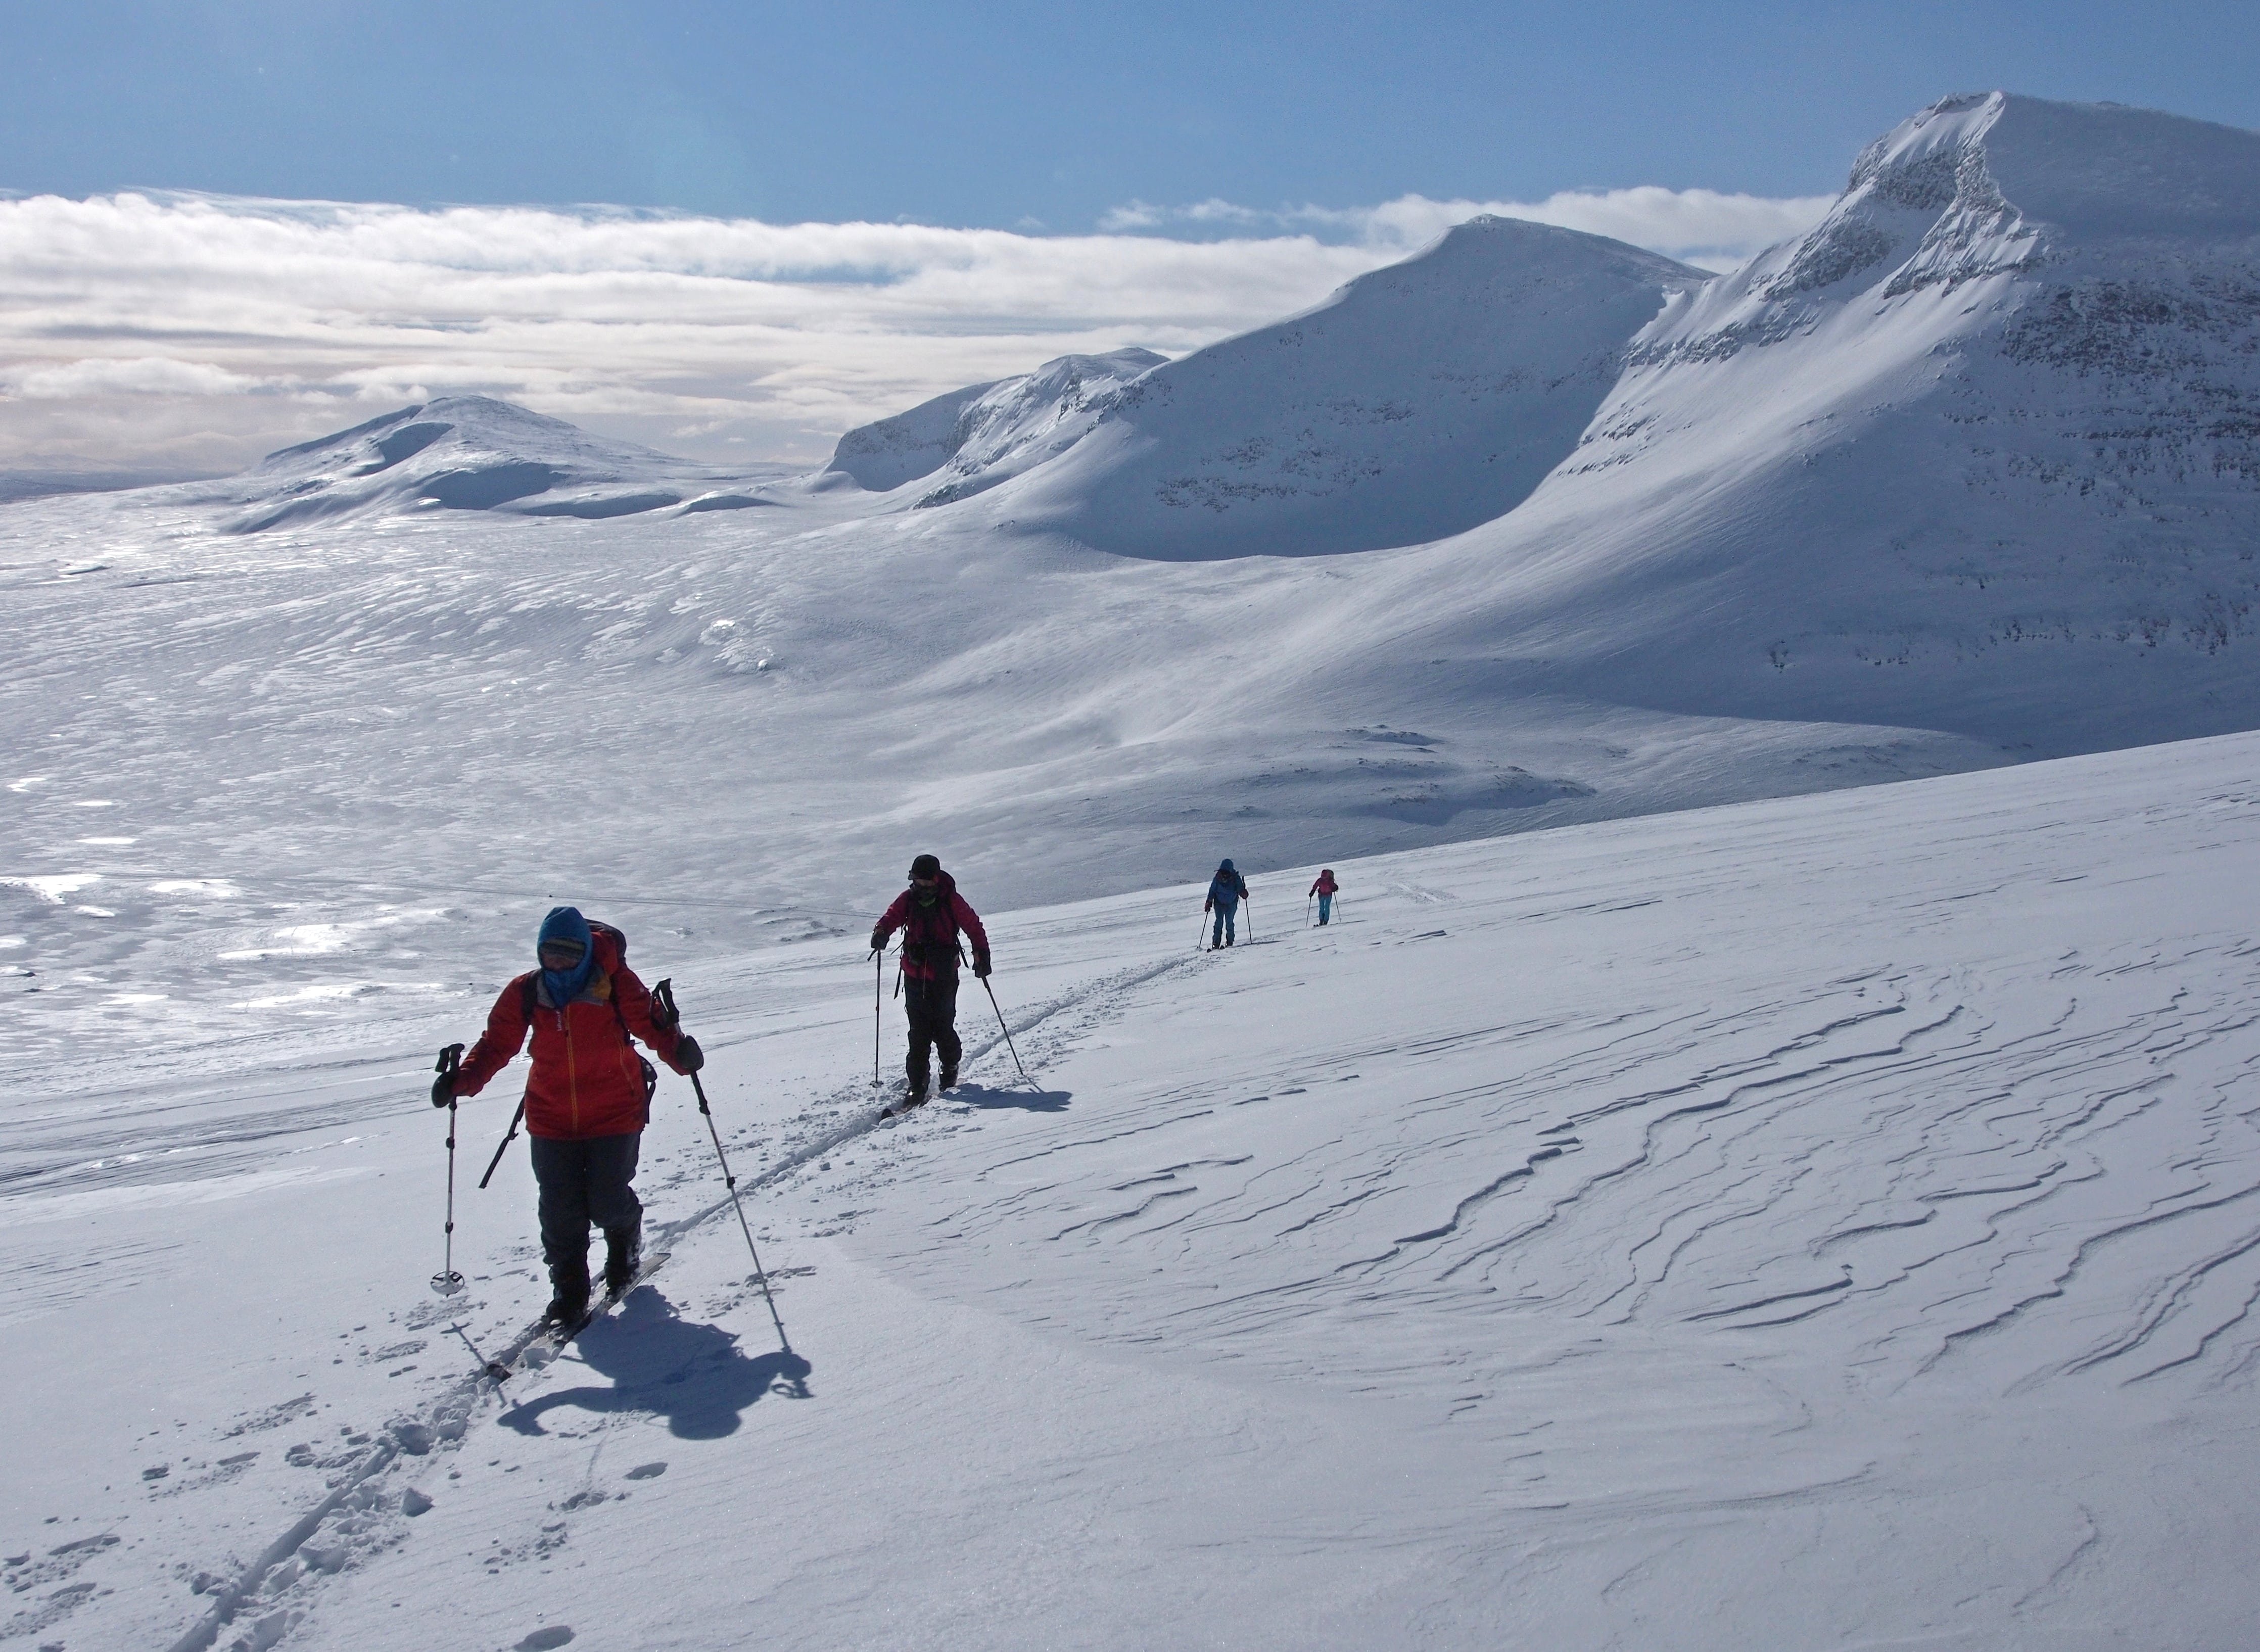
[930, 935]
[529, 991]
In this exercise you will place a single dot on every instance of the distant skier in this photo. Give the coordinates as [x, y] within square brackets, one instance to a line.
[1225, 890]
[1325, 889]
[587, 1099]
[931, 914]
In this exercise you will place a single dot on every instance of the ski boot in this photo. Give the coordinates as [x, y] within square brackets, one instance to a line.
[949, 1077]
[623, 1257]
[569, 1303]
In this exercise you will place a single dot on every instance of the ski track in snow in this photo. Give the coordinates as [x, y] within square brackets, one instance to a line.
[351, 1513]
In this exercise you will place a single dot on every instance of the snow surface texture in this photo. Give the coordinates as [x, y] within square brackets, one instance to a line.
[1821, 1221]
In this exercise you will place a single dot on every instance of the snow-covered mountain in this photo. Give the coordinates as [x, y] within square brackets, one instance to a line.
[969, 440]
[1421, 400]
[1981, 451]
[468, 453]
[1418, 401]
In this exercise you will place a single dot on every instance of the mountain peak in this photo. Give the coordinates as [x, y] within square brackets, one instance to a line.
[2090, 170]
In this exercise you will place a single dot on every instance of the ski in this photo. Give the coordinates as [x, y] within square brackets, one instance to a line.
[543, 1335]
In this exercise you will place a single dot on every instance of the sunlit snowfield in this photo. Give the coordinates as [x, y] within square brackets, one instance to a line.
[1828, 1221]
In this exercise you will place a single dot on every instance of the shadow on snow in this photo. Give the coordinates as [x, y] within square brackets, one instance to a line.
[663, 1365]
[967, 1095]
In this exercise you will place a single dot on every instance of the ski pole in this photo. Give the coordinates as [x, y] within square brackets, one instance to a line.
[509, 1136]
[1202, 930]
[1251, 920]
[1003, 1028]
[1306, 911]
[665, 993]
[446, 1281]
[878, 994]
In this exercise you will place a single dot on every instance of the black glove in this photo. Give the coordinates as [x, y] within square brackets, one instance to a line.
[980, 966]
[878, 941]
[443, 1089]
[688, 1056]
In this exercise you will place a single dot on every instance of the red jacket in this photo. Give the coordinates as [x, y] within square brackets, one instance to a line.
[930, 932]
[587, 1079]
[1325, 885]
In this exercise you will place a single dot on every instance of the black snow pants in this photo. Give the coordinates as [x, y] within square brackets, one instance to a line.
[931, 1006]
[583, 1182]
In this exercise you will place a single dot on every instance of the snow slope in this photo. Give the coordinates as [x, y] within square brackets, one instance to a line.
[1814, 1222]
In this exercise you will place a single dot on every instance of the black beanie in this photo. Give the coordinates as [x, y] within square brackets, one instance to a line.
[925, 866]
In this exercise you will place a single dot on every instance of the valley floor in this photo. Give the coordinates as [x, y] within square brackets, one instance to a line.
[1832, 1221]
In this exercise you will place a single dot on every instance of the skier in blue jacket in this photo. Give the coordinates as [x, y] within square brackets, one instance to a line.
[1225, 890]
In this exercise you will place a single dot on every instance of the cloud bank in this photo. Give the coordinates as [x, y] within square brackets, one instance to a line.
[198, 332]
[1703, 227]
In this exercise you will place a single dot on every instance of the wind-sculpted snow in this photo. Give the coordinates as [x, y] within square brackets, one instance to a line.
[1806, 1223]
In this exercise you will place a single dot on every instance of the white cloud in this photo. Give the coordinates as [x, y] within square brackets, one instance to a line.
[1703, 226]
[126, 375]
[193, 330]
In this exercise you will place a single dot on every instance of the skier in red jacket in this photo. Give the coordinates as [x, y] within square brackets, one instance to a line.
[587, 1099]
[931, 914]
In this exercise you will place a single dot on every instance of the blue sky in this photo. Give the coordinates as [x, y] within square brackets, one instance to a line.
[1023, 115]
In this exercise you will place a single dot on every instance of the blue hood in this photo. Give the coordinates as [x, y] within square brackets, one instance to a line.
[565, 923]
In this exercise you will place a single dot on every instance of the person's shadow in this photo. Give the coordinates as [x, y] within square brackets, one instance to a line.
[662, 1365]
[972, 1095]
